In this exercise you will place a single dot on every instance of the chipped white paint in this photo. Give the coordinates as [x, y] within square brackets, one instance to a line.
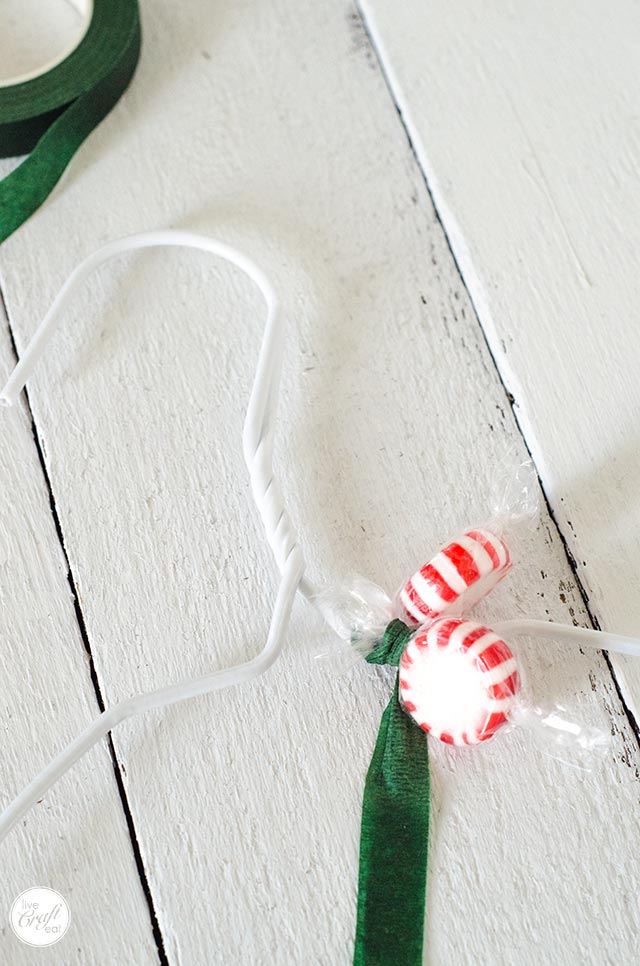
[526, 124]
[271, 125]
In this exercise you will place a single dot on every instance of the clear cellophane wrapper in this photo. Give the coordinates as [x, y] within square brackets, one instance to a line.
[358, 611]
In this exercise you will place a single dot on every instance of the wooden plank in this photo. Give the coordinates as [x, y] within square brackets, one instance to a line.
[527, 131]
[273, 128]
[75, 841]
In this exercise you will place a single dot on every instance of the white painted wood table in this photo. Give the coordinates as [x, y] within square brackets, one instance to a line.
[447, 197]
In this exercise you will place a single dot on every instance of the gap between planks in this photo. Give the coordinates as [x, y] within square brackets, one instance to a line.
[137, 854]
[363, 25]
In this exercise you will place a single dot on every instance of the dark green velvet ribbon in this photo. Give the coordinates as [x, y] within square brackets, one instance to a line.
[48, 117]
[394, 834]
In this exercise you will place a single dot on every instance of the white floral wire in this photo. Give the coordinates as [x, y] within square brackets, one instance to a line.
[257, 438]
[258, 434]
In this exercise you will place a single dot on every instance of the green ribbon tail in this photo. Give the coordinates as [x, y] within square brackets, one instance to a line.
[394, 842]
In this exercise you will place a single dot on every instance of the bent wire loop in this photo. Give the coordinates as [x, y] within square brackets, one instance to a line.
[258, 435]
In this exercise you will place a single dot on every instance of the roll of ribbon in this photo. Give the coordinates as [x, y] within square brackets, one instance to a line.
[48, 116]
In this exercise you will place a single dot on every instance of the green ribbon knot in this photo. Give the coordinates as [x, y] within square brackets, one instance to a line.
[389, 648]
[395, 830]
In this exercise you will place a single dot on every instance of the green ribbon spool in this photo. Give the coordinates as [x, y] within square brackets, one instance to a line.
[394, 836]
[49, 116]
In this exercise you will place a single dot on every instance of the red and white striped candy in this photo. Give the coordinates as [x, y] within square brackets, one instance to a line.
[458, 681]
[456, 578]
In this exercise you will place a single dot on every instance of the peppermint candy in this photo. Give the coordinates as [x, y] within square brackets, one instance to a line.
[456, 578]
[458, 681]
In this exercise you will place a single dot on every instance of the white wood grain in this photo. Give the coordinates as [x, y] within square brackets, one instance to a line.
[270, 125]
[526, 123]
[76, 840]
